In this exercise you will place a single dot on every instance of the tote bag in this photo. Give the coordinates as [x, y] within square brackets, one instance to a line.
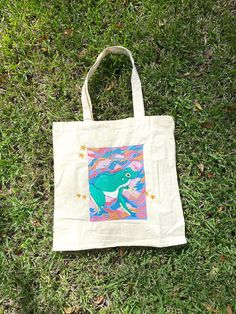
[115, 181]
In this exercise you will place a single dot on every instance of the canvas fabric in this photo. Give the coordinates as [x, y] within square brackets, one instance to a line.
[115, 181]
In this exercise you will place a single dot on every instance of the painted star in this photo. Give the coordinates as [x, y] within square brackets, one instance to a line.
[147, 193]
[83, 147]
[84, 197]
[81, 155]
[152, 197]
[78, 195]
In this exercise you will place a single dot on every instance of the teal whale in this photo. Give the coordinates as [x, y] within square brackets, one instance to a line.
[111, 184]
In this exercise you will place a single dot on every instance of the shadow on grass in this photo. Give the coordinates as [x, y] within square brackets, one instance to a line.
[126, 250]
[26, 287]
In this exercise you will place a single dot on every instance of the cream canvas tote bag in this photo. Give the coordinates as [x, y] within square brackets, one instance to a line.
[115, 181]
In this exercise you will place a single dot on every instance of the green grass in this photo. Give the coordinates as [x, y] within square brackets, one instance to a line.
[185, 53]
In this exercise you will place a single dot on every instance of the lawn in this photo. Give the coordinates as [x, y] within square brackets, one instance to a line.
[185, 53]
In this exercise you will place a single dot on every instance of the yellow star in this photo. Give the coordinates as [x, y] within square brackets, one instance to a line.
[84, 197]
[81, 155]
[152, 197]
[83, 147]
[147, 193]
[78, 195]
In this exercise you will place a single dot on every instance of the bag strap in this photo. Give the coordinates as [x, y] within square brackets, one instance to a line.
[137, 95]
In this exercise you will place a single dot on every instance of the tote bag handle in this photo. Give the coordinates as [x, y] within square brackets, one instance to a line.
[137, 94]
